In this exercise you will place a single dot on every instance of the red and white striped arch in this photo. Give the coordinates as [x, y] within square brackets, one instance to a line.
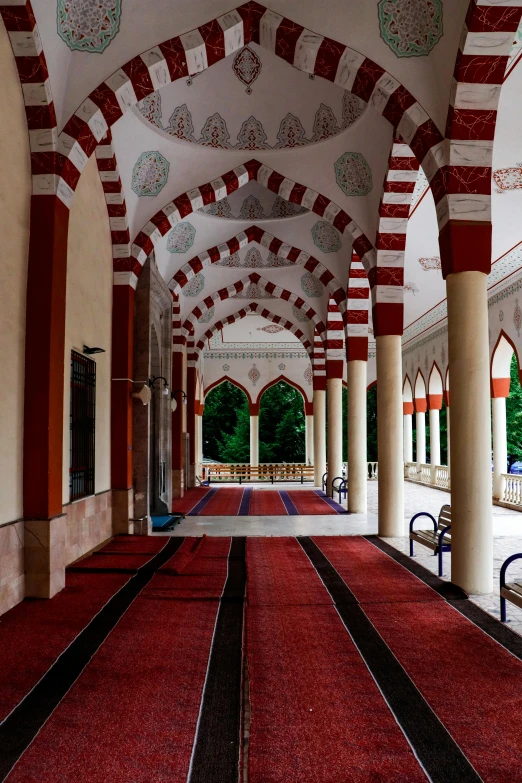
[319, 362]
[182, 206]
[236, 288]
[254, 307]
[272, 244]
[334, 333]
[386, 276]
[356, 329]
[178, 338]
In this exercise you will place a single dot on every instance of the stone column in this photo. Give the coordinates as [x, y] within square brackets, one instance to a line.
[191, 422]
[390, 435]
[178, 383]
[319, 433]
[407, 408]
[309, 432]
[472, 534]
[334, 403]
[498, 407]
[420, 421]
[254, 437]
[357, 452]
[434, 405]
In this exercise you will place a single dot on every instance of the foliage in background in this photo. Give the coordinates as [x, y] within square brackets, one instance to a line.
[226, 425]
[514, 416]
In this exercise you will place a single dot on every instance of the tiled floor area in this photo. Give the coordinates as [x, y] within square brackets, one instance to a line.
[507, 531]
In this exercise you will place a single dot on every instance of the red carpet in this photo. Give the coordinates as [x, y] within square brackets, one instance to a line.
[317, 715]
[189, 500]
[34, 633]
[307, 502]
[225, 503]
[131, 716]
[471, 682]
[267, 503]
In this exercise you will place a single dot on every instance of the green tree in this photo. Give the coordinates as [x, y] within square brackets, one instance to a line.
[281, 425]
[235, 447]
[371, 419]
[514, 416]
[220, 416]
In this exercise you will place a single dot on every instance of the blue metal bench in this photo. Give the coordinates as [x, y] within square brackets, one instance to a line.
[341, 488]
[511, 591]
[437, 539]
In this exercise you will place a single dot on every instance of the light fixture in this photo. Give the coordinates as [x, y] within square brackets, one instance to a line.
[144, 394]
[174, 402]
[89, 351]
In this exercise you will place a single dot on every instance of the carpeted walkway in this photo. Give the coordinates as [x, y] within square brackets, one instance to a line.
[253, 501]
[355, 664]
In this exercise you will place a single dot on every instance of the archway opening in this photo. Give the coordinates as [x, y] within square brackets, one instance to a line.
[226, 424]
[281, 424]
[514, 417]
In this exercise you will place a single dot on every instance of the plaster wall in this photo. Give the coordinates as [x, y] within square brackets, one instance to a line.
[15, 194]
[88, 322]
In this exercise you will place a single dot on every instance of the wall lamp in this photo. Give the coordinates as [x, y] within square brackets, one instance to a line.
[174, 403]
[155, 378]
[90, 351]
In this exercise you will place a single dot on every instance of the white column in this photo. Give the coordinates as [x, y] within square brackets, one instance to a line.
[420, 419]
[390, 435]
[254, 441]
[471, 504]
[357, 452]
[408, 438]
[200, 439]
[319, 436]
[309, 440]
[434, 442]
[498, 406]
[448, 439]
[334, 403]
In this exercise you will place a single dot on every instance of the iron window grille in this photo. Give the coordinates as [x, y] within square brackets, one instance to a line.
[82, 426]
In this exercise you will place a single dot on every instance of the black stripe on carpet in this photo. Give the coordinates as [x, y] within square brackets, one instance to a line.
[23, 724]
[437, 752]
[457, 598]
[331, 502]
[288, 504]
[200, 505]
[217, 748]
[244, 507]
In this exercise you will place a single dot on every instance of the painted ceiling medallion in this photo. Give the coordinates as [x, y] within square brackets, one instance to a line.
[308, 374]
[311, 285]
[194, 286]
[205, 318]
[411, 288]
[299, 315]
[430, 263]
[226, 367]
[251, 209]
[270, 329]
[282, 208]
[254, 375]
[150, 174]
[353, 174]
[353, 107]
[220, 209]
[247, 67]
[181, 238]
[411, 28]
[282, 367]
[326, 237]
[508, 179]
[88, 25]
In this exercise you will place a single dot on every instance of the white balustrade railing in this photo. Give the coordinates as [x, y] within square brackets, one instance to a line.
[373, 471]
[511, 489]
[442, 476]
[433, 475]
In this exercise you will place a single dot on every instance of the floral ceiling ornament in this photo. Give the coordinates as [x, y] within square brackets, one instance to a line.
[501, 316]
[353, 174]
[205, 318]
[299, 315]
[353, 107]
[326, 237]
[180, 124]
[232, 260]
[443, 354]
[150, 108]
[308, 374]
[252, 136]
[291, 133]
[411, 28]
[150, 174]
[251, 209]
[247, 67]
[220, 209]
[411, 288]
[215, 133]
[430, 263]
[517, 317]
[311, 285]
[508, 179]
[181, 238]
[88, 25]
[270, 329]
[226, 367]
[194, 286]
[253, 259]
[325, 124]
[277, 261]
[282, 208]
[254, 375]
[282, 367]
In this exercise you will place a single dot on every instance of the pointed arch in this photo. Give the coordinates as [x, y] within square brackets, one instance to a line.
[420, 393]
[407, 396]
[501, 365]
[292, 383]
[274, 245]
[356, 317]
[435, 388]
[253, 308]
[233, 382]
[240, 285]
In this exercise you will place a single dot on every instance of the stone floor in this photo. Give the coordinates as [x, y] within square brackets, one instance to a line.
[507, 532]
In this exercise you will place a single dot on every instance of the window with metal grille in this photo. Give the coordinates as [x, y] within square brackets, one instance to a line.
[81, 428]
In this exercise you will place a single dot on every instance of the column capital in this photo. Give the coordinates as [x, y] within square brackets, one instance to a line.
[334, 368]
[434, 402]
[465, 246]
[421, 405]
[407, 408]
[500, 387]
[253, 408]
